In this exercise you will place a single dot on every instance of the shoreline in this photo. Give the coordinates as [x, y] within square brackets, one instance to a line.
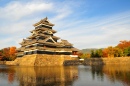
[89, 61]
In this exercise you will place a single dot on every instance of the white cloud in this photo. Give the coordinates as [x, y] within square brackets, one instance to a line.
[16, 10]
[107, 31]
[62, 13]
[6, 42]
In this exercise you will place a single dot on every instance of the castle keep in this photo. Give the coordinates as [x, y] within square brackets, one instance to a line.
[43, 41]
[42, 48]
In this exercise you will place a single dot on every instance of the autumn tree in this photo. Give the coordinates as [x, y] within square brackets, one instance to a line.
[125, 47]
[84, 55]
[105, 52]
[8, 54]
[12, 52]
[112, 52]
[108, 52]
[124, 44]
[118, 52]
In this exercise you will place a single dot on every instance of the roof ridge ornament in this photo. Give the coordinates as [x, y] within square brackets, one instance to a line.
[46, 18]
[44, 21]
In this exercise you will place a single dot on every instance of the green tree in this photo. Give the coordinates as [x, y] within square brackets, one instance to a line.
[127, 51]
[100, 52]
[92, 54]
[96, 54]
[85, 55]
[118, 52]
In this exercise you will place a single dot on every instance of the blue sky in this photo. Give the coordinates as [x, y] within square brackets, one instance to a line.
[84, 23]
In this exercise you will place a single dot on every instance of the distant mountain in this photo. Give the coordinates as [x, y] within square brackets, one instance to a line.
[88, 50]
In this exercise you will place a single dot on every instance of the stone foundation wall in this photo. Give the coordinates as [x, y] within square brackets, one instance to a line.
[2, 62]
[107, 61]
[51, 60]
[57, 60]
[41, 60]
[28, 60]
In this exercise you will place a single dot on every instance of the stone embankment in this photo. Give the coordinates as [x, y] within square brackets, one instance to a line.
[100, 61]
[41, 60]
[107, 61]
[56, 60]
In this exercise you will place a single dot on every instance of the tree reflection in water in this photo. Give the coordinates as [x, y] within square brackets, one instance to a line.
[97, 71]
[8, 72]
[120, 73]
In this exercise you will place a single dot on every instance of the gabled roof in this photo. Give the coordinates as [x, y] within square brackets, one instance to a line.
[42, 35]
[65, 42]
[48, 39]
[75, 49]
[42, 30]
[46, 29]
[44, 21]
[24, 40]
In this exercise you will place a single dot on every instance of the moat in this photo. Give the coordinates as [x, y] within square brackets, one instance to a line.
[81, 75]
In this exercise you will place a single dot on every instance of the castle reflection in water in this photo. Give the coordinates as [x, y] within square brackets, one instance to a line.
[48, 76]
[42, 76]
[116, 75]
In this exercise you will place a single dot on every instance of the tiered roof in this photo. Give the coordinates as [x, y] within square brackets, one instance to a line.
[42, 39]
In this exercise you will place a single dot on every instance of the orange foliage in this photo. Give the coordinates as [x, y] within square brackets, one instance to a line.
[112, 52]
[123, 44]
[12, 50]
[109, 52]
[8, 53]
[105, 52]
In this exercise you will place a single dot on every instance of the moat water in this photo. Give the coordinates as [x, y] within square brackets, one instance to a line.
[65, 76]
